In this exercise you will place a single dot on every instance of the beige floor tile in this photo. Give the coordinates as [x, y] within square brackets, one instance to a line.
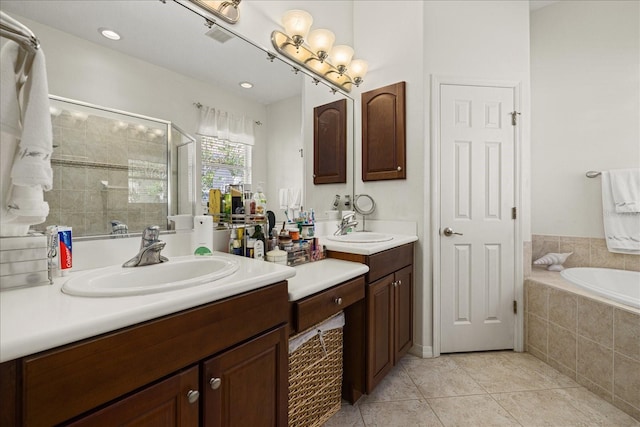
[395, 386]
[441, 377]
[543, 408]
[414, 413]
[480, 410]
[505, 372]
[348, 416]
[599, 410]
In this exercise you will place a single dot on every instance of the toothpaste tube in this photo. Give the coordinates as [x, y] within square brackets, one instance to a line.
[65, 254]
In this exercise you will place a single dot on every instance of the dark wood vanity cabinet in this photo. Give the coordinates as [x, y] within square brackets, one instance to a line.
[387, 319]
[330, 143]
[160, 372]
[384, 133]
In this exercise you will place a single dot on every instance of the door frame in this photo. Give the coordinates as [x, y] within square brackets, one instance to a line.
[437, 82]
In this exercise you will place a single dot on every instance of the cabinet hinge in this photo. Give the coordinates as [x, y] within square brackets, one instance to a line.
[514, 117]
[514, 213]
[515, 307]
[301, 151]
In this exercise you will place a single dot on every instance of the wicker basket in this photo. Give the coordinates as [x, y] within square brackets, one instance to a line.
[315, 379]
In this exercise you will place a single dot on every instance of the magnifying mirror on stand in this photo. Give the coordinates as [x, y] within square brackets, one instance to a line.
[364, 205]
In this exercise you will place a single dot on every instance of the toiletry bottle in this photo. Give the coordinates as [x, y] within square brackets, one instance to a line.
[261, 201]
[258, 234]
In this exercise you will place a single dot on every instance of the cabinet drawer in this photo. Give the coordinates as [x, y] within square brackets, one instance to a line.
[316, 308]
[387, 262]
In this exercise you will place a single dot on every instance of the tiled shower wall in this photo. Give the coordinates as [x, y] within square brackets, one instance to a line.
[92, 150]
[596, 344]
[587, 252]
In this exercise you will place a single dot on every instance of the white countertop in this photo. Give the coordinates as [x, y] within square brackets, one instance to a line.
[42, 317]
[320, 275]
[368, 248]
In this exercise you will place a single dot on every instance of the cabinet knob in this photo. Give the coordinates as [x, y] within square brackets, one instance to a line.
[395, 284]
[193, 396]
[399, 282]
[215, 383]
[338, 301]
[399, 168]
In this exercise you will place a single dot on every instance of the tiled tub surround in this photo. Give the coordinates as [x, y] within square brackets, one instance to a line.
[587, 252]
[592, 340]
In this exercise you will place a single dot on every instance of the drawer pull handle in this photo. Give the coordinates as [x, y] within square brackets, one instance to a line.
[193, 396]
[215, 383]
[338, 301]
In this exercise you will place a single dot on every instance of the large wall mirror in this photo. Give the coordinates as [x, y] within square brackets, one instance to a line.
[166, 62]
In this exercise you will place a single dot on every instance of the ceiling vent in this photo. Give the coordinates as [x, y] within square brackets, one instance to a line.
[219, 35]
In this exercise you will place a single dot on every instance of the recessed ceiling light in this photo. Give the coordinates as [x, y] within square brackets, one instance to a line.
[246, 85]
[109, 33]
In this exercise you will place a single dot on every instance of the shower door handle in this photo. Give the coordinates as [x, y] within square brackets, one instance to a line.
[449, 232]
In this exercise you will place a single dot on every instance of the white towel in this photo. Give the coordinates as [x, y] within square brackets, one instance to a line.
[21, 198]
[32, 162]
[621, 230]
[294, 198]
[283, 197]
[625, 189]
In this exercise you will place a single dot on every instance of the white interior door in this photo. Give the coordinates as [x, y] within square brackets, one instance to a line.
[477, 232]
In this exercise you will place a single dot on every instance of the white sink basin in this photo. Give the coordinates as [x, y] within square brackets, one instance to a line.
[361, 237]
[177, 273]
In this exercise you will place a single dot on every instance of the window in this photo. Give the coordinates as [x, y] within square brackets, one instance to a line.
[223, 163]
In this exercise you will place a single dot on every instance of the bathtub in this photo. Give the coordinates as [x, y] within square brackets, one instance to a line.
[618, 285]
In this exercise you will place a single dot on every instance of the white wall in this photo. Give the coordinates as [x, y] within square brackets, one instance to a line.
[585, 79]
[471, 39]
[283, 156]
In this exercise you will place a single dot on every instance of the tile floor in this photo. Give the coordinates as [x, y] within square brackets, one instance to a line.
[479, 389]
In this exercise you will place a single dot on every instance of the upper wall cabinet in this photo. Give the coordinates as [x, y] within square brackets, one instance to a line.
[330, 143]
[383, 133]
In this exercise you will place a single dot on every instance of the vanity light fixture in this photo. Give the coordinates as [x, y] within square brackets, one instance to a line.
[228, 11]
[246, 85]
[315, 51]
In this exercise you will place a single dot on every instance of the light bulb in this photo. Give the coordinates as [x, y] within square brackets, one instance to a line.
[341, 55]
[297, 24]
[321, 42]
[358, 69]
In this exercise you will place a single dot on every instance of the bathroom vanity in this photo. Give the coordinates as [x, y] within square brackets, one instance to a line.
[205, 364]
[386, 316]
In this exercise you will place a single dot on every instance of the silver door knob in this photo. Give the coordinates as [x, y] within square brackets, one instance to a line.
[193, 396]
[338, 301]
[215, 383]
[449, 232]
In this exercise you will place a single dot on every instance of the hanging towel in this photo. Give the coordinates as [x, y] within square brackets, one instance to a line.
[32, 163]
[621, 230]
[283, 194]
[25, 140]
[625, 189]
[295, 198]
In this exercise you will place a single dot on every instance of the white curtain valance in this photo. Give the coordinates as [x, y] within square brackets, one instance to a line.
[225, 126]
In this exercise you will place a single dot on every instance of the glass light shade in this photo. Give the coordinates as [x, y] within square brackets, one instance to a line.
[341, 55]
[297, 23]
[321, 40]
[358, 68]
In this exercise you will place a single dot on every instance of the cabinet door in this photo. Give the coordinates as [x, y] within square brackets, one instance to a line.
[383, 133]
[248, 385]
[171, 402]
[403, 312]
[379, 330]
[330, 143]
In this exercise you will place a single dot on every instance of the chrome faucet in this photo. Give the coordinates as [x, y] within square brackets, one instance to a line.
[150, 248]
[347, 222]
